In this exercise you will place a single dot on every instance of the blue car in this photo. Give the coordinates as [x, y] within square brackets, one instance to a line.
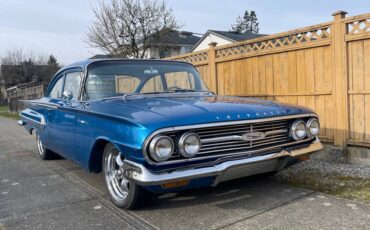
[153, 126]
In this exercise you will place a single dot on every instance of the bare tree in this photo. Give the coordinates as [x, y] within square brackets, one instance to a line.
[128, 28]
[19, 67]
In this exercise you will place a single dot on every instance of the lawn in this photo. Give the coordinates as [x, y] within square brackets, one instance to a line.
[4, 112]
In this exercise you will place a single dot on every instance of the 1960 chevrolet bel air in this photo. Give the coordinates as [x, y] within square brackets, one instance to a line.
[153, 126]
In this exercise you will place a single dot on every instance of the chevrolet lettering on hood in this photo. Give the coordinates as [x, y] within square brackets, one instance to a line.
[153, 126]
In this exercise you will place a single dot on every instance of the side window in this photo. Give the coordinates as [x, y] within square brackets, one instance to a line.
[73, 83]
[154, 84]
[56, 91]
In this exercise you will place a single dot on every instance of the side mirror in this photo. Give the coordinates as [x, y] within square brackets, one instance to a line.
[67, 96]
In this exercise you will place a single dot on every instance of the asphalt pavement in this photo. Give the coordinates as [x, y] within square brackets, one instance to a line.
[58, 194]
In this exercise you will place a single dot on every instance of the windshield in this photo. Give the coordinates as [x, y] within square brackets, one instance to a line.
[114, 78]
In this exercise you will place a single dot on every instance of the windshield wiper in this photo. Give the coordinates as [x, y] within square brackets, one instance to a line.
[179, 90]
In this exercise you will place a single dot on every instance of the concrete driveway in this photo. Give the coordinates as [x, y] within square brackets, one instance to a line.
[59, 195]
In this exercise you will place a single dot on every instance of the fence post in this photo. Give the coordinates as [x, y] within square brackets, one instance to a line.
[340, 79]
[212, 64]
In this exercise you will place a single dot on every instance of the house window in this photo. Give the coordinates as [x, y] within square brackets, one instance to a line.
[163, 53]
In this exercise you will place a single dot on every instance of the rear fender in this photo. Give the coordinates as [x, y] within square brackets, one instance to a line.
[32, 120]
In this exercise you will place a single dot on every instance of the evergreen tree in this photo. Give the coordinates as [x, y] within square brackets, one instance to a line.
[246, 24]
[52, 66]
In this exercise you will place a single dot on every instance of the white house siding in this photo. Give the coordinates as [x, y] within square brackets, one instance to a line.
[211, 38]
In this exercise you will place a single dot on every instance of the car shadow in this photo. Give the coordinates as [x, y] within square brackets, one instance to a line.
[249, 193]
[223, 195]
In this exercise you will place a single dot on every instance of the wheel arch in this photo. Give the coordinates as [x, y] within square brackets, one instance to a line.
[96, 154]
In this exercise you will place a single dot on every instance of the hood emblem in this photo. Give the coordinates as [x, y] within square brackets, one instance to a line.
[254, 136]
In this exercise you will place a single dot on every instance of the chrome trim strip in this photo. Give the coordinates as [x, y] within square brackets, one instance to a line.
[45, 104]
[276, 132]
[143, 176]
[226, 138]
[170, 129]
[34, 114]
[243, 121]
[240, 138]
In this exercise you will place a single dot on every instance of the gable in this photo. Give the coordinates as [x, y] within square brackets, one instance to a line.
[203, 44]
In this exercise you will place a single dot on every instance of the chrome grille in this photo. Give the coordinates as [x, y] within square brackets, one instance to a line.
[233, 138]
[276, 132]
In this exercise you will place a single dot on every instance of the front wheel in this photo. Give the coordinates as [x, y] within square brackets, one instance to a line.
[123, 193]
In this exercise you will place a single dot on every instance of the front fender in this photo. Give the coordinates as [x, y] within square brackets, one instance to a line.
[128, 139]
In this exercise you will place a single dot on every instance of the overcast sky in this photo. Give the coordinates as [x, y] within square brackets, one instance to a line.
[58, 27]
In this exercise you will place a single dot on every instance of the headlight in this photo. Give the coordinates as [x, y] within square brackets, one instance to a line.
[161, 148]
[189, 144]
[298, 131]
[313, 127]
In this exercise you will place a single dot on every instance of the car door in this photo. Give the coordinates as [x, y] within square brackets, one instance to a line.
[62, 118]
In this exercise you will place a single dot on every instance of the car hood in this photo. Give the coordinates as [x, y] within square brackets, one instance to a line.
[188, 110]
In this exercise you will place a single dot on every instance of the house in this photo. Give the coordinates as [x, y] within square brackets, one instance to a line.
[222, 38]
[174, 43]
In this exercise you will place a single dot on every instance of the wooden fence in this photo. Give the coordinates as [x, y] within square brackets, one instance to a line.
[26, 91]
[325, 67]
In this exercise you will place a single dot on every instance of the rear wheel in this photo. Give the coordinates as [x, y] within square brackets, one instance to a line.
[123, 193]
[44, 153]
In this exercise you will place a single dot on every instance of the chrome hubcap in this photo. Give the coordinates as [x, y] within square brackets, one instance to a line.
[40, 146]
[118, 185]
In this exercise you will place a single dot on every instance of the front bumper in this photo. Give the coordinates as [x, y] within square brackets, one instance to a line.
[224, 171]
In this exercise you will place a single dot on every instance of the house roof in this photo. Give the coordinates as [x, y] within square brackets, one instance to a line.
[229, 35]
[236, 36]
[174, 38]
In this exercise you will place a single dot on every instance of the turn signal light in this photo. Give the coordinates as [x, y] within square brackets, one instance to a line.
[176, 184]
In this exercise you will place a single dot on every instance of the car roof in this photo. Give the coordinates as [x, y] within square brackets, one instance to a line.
[83, 64]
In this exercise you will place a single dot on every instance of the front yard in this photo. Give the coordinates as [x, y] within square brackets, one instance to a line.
[4, 112]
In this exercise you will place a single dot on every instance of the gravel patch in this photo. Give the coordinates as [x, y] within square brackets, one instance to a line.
[344, 180]
[328, 168]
